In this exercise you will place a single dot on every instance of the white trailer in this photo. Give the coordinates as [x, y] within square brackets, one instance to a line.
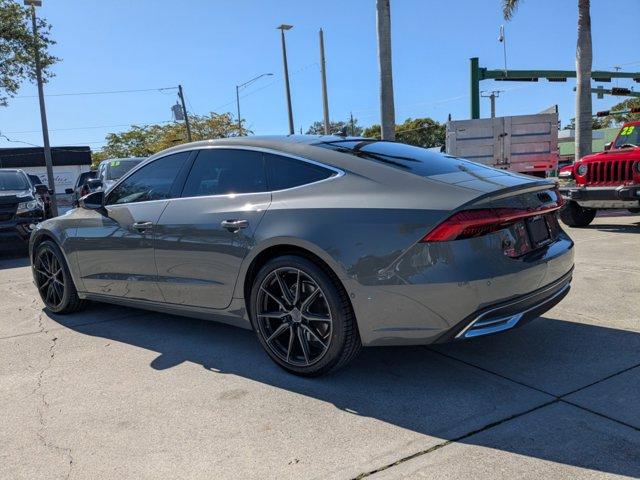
[520, 143]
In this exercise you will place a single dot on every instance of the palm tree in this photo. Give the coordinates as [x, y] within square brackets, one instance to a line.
[387, 108]
[584, 60]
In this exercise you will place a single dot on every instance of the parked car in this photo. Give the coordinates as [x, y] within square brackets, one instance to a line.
[320, 244]
[81, 187]
[604, 180]
[111, 170]
[45, 197]
[20, 204]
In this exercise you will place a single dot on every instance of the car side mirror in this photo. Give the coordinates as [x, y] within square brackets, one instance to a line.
[94, 183]
[41, 189]
[607, 146]
[93, 201]
[68, 191]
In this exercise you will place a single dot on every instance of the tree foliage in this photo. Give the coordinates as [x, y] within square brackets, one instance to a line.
[17, 44]
[317, 128]
[421, 132]
[142, 141]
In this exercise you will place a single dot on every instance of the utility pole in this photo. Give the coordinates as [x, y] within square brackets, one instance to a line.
[43, 112]
[238, 105]
[353, 126]
[184, 111]
[325, 100]
[492, 98]
[282, 28]
[387, 107]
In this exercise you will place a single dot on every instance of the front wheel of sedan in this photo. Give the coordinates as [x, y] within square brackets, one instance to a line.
[53, 279]
[303, 317]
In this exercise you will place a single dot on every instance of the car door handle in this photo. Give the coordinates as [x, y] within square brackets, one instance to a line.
[142, 226]
[234, 225]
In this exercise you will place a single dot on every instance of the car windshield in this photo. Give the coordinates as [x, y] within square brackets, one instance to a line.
[629, 136]
[117, 168]
[13, 181]
[416, 160]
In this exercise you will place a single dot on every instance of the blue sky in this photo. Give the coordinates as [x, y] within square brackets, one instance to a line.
[209, 46]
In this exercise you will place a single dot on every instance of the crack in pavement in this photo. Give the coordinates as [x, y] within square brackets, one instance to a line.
[71, 327]
[556, 399]
[65, 452]
[454, 440]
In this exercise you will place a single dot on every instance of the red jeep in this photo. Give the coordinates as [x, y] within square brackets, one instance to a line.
[609, 179]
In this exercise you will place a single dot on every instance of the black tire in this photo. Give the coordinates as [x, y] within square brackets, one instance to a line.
[53, 280]
[340, 336]
[575, 216]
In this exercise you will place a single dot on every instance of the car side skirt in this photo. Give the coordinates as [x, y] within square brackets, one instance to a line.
[234, 315]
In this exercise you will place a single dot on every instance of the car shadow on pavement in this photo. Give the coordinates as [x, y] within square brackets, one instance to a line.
[445, 393]
[13, 256]
[631, 227]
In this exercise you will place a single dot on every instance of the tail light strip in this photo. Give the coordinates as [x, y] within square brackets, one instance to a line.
[475, 223]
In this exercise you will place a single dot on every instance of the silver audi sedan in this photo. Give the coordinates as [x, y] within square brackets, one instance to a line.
[320, 244]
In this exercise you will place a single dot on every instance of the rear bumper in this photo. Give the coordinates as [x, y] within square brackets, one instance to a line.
[514, 313]
[440, 289]
[623, 196]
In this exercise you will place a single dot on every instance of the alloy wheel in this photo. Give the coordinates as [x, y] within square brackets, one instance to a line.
[294, 317]
[49, 278]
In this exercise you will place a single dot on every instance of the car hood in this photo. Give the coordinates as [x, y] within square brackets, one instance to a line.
[13, 196]
[609, 155]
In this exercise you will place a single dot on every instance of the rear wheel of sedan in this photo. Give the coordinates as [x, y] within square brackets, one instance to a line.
[53, 279]
[303, 317]
[576, 216]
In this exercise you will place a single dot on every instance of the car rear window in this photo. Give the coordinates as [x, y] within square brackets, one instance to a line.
[416, 160]
[288, 173]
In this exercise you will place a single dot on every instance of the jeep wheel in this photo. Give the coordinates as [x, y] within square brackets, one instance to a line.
[576, 216]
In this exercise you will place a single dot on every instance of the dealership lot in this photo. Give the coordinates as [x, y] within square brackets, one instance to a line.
[120, 393]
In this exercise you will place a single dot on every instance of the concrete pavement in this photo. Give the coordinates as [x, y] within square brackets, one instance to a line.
[121, 393]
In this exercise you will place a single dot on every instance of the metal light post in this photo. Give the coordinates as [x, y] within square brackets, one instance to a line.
[282, 28]
[323, 77]
[243, 85]
[43, 112]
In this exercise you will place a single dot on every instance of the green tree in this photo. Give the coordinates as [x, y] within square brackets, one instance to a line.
[317, 128]
[17, 49]
[421, 132]
[142, 141]
[584, 60]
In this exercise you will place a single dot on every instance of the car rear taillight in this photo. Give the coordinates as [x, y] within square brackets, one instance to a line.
[475, 223]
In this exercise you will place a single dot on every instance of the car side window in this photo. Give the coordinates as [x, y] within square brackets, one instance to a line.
[287, 172]
[151, 182]
[219, 171]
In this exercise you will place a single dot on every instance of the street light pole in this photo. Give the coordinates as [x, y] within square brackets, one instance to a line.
[282, 28]
[242, 85]
[43, 112]
[325, 100]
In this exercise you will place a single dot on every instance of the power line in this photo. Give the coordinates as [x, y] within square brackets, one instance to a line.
[277, 80]
[94, 127]
[104, 92]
